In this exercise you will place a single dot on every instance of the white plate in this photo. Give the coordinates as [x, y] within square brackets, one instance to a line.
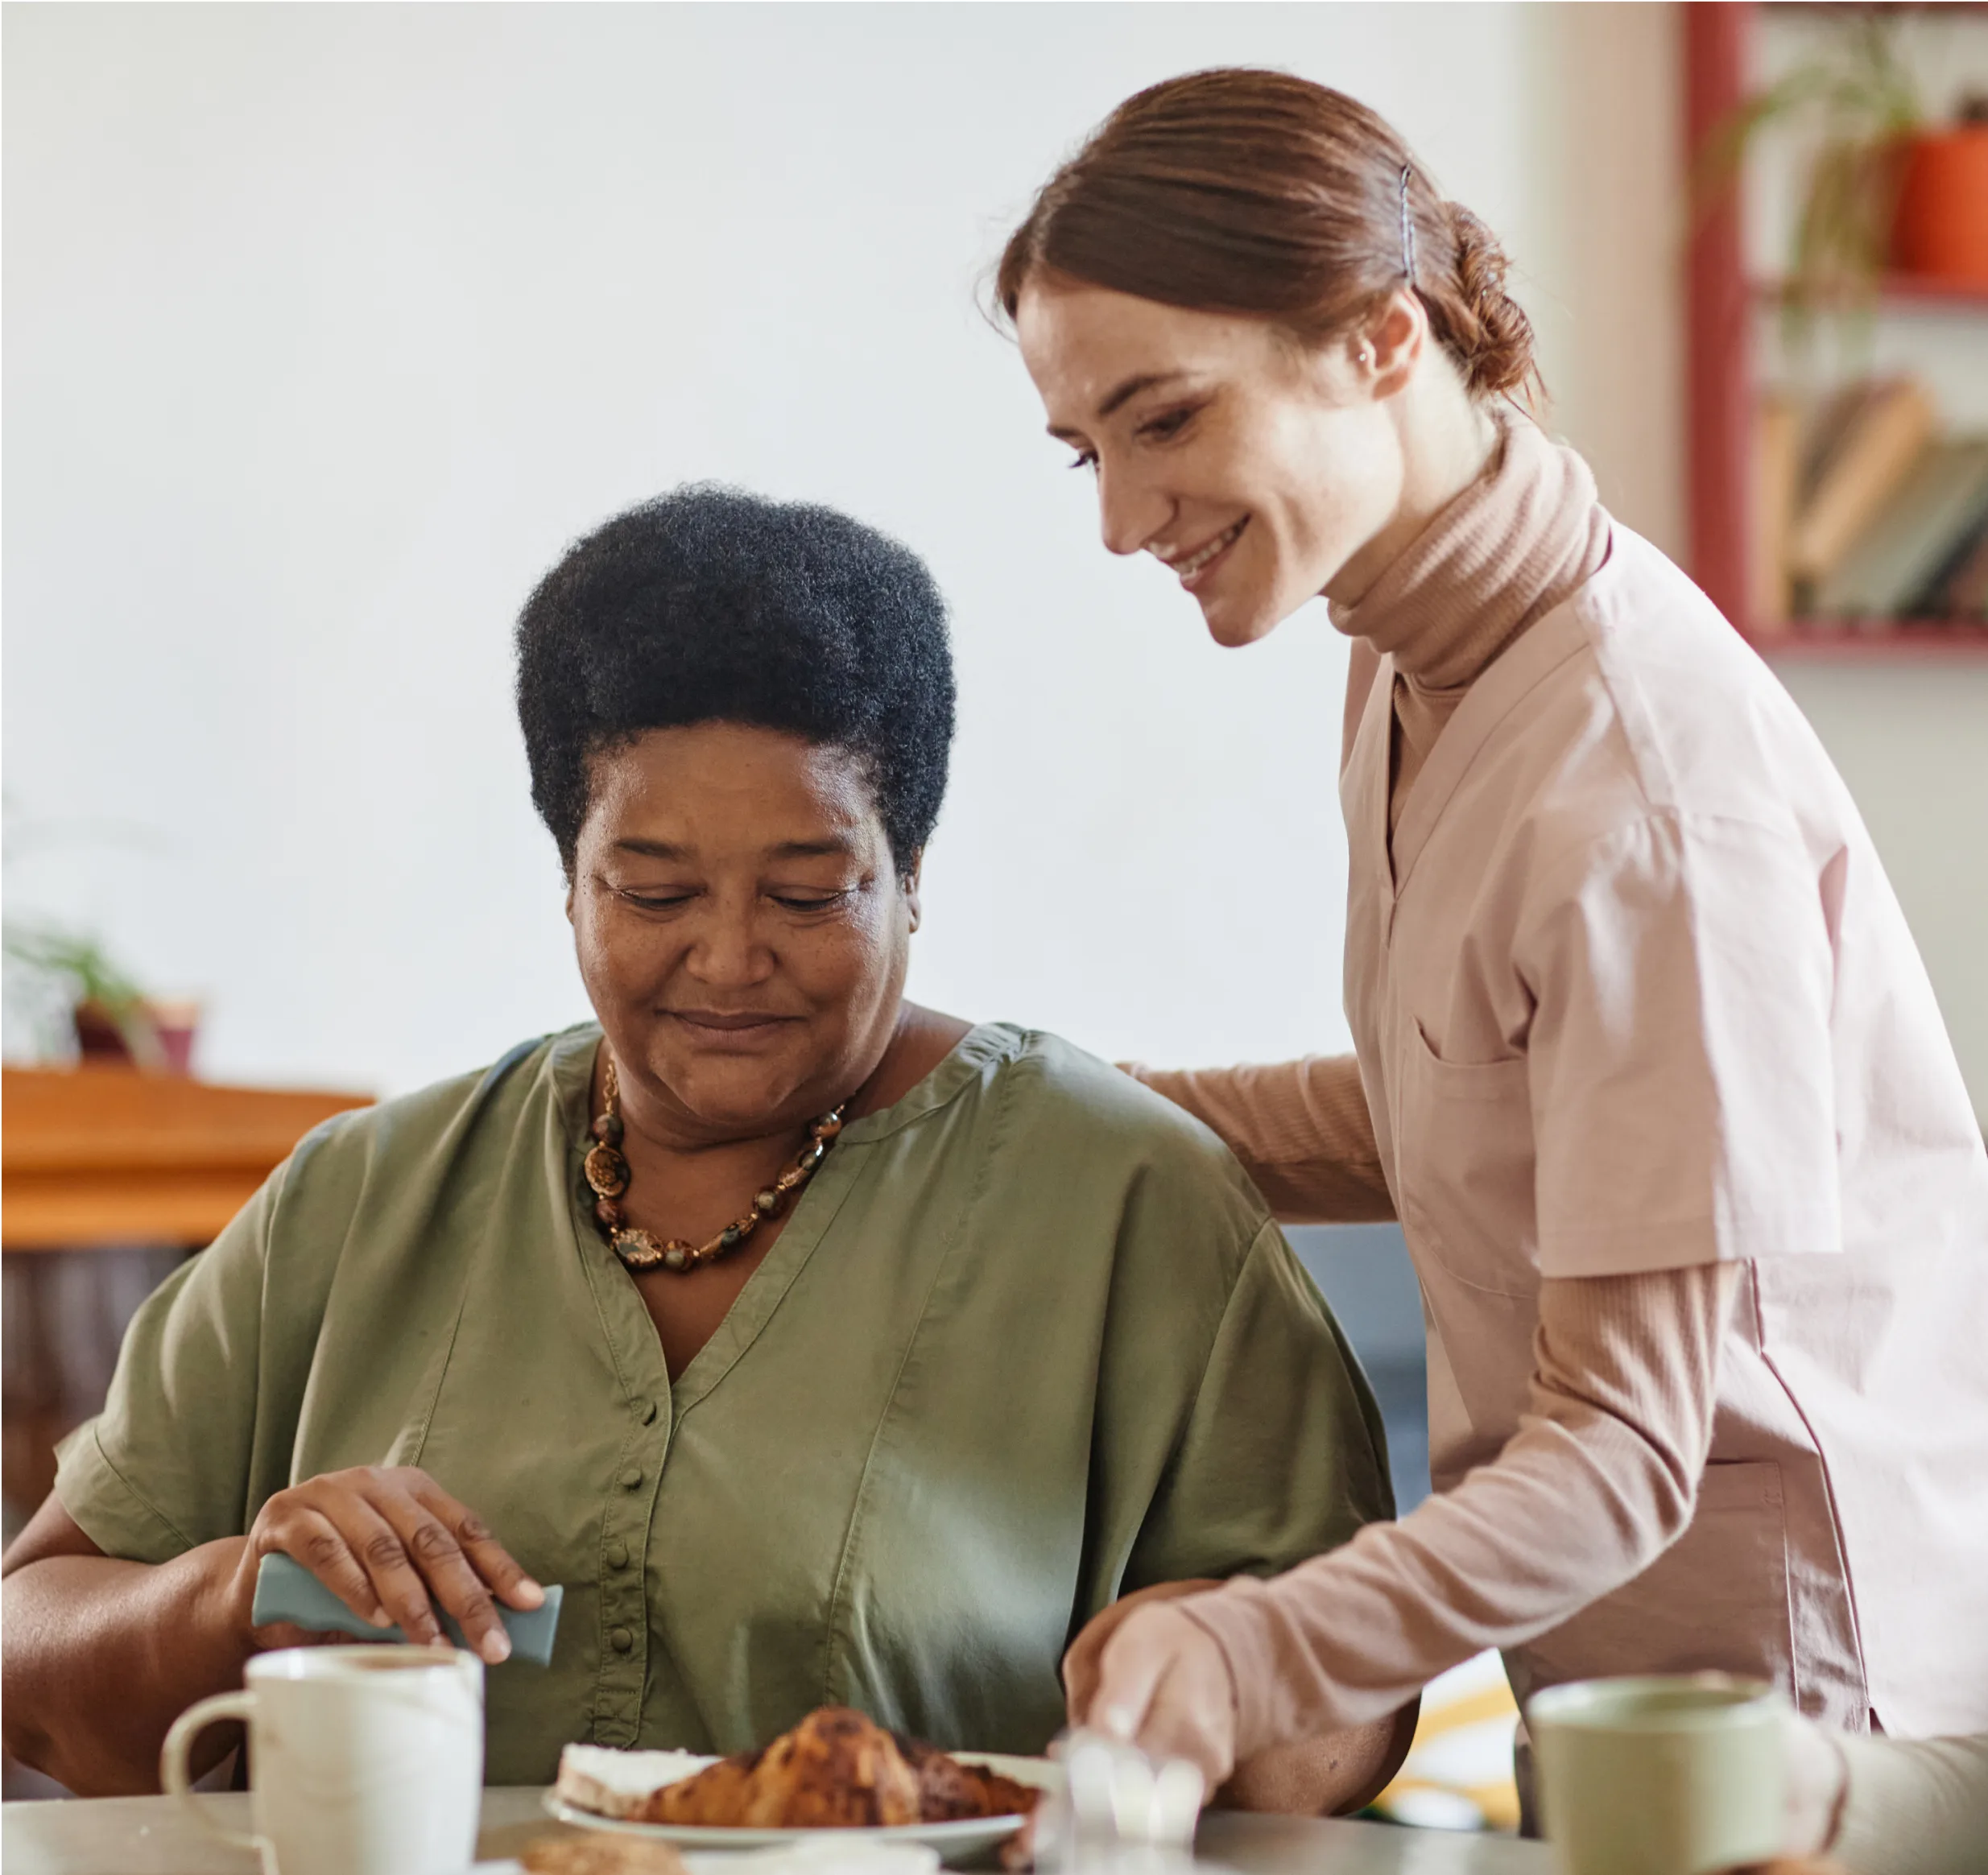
[949, 1838]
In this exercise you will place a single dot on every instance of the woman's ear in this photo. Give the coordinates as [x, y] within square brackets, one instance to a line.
[1390, 342]
[572, 887]
[908, 883]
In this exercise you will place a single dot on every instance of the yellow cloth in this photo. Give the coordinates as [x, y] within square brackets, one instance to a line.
[1458, 1772]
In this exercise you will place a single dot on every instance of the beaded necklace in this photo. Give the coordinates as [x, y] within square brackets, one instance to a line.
[607, 1178]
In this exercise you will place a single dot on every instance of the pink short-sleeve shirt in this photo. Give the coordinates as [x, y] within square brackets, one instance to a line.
[1631, 992]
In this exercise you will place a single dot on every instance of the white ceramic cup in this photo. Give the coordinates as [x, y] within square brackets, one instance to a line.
[363, 1760]
[1665, 1774]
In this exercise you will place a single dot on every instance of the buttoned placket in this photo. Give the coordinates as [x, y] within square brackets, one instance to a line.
[656, 1407]
[627, 1512]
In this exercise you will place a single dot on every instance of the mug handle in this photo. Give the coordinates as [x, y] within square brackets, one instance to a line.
[172, 1760]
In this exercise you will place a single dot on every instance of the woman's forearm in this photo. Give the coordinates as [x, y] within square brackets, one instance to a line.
[103, 1655]
[1601, 1478]
[1301, 1129]
[1913, 1806]
[1328, 1776]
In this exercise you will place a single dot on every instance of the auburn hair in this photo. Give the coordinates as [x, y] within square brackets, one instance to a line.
[1253, 192]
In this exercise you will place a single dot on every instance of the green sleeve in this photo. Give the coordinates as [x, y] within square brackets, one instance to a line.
[165, 1466]
[1282, 1456]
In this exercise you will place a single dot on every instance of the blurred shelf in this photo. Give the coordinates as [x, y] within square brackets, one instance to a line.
[1909, 291]
[1902, 641]
[1979, 8]
[99, 1155]
[1722, 375]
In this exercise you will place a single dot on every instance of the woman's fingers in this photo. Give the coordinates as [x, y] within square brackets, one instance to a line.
[374, 1535]
[1081, 1664]
[437, 1554]
[1164, 1684]
[1129, 1672]
[486, 1556]
[315, 1539]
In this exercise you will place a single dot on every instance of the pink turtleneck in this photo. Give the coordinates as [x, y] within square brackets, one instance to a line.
[1519, 539]
[1603, 1474]
[1525, 535]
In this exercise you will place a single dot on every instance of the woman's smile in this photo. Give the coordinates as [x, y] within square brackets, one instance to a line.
[732, 1031]
[1194, 568]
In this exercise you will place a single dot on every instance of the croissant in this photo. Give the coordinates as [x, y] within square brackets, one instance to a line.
[836, 1770]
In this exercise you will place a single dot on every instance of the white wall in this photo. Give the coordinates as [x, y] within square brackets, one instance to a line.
[325, 328]
[1911, 741]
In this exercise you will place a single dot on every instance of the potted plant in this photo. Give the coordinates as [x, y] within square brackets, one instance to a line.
[1940, 231]
[113, 1019]
[1857, 98]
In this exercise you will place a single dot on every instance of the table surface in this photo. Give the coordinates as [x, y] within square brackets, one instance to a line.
[154, 1836]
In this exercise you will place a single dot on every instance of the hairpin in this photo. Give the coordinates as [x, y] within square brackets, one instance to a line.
[1408, 233]
[1407, 230]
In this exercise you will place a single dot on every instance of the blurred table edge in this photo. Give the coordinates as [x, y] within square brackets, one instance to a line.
[153, 1835]
[96, 1156]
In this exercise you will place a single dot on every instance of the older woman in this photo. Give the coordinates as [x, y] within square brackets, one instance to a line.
[825, 1348]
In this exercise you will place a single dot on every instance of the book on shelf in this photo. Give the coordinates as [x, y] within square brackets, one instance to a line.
[1900, 561]
[1863, 443]
[1777, 470]
[1960, 590]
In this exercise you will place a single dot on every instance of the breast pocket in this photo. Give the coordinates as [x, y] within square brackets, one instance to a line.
[1464, 1147]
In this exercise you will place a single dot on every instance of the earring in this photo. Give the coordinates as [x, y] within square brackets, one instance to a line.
[1367, 354]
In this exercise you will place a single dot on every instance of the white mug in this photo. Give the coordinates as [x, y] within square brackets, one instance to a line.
[363, 1760]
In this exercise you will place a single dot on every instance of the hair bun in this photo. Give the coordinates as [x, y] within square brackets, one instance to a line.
[1245, 191]
[1494, 336]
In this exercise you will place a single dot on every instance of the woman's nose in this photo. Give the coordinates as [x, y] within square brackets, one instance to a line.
[728, 954]
[1129, 515]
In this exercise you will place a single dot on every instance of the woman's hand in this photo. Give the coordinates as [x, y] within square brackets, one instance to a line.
[1157, 1679]
[391, 1544]
[1083, 1663]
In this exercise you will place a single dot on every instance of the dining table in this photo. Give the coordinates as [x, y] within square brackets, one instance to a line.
[158, 1835]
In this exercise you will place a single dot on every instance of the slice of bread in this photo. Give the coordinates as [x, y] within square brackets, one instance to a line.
[619, 1783]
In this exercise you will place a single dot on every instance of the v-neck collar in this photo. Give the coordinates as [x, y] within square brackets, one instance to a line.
[1510, 679]
[815, 1209]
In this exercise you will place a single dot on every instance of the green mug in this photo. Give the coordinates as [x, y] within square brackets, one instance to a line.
[1662, 1774]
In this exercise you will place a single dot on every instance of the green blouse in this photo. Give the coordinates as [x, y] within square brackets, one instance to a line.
[1029, 1340]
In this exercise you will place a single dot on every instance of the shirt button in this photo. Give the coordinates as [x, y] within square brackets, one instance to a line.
[645, 1411]
[621, 1640]
[631, 1479]
[617, 1555]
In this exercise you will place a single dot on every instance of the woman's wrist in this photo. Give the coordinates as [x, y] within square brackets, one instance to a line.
[1818, 1781]
[221, 1592]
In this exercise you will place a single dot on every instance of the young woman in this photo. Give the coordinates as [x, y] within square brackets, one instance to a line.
[1648, 1064]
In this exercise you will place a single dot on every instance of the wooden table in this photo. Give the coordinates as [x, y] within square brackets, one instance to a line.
[103, 1155]
[152, 1835]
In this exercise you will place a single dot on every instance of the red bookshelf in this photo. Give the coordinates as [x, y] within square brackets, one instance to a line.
[1720, 375]
[1902, 290]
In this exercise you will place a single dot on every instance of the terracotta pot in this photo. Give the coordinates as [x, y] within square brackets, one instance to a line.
[1941, 231]
[175, 1024]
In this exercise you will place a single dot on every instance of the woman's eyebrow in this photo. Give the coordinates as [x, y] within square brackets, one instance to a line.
[650, 849]
[835, 847]
[1129, 388]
